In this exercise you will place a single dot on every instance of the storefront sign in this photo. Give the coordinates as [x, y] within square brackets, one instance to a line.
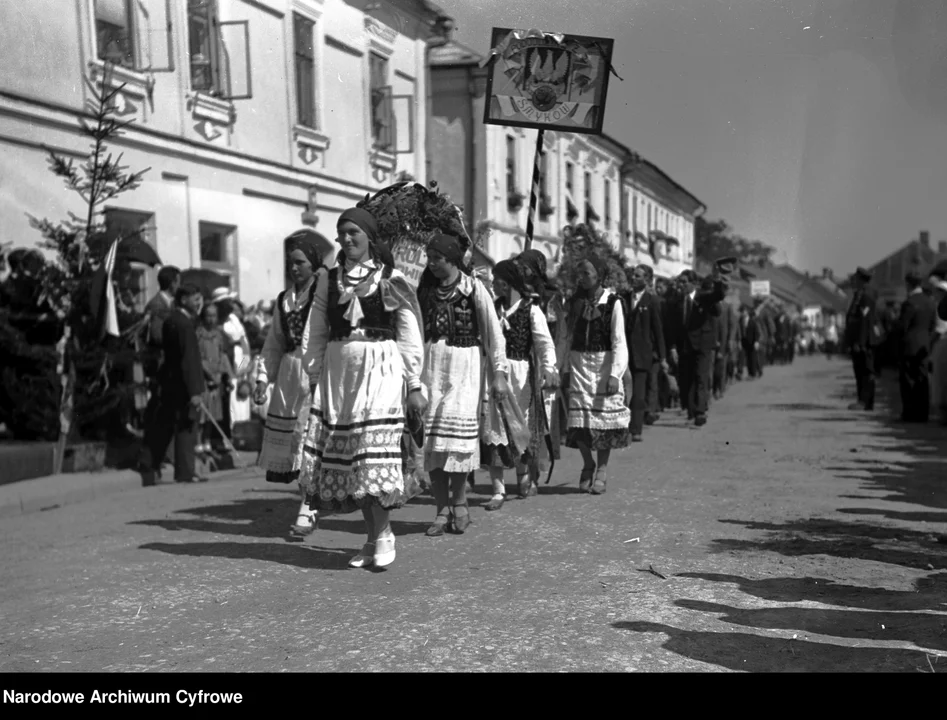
[547, 80]
[759, 288]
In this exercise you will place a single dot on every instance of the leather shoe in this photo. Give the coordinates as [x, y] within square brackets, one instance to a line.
[636, 438]
[461, 522]
[700, 420]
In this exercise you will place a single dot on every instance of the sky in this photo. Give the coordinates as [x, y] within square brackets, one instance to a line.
[816, 126]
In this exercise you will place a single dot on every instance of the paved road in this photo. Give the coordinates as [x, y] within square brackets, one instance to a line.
[793, 536]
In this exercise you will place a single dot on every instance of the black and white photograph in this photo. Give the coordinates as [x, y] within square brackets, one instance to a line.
[468, 336]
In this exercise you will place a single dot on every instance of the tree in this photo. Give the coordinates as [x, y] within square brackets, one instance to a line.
[54, 365]
[716, 239]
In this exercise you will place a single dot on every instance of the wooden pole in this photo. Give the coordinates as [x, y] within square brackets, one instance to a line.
[534, 190]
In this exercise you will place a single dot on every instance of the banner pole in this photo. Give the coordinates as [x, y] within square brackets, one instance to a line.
[534, 190]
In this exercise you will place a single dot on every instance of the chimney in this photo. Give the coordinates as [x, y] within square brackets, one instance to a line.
[942, 247]
[826, 273]
[925, 238]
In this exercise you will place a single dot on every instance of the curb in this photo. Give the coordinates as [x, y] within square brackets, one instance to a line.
[30, 496]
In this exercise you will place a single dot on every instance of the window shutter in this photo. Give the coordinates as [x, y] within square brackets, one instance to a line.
[234, 73]
[153, 36]
[403, 117]
[383, 118]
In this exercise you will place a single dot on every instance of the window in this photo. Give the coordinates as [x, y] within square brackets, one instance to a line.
[544, 174]
[588, 188]
[510, 164]
[634, 214]
[219, 249]
[381, 103]
[649, 220]
[126, 224]
[570, 176]
[303, 35]
[114, 31]
[608, 203]
[219, 52]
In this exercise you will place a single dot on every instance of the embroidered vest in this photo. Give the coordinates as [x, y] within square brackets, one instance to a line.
[595, 335]
[454, 319]
[519, 336]
[377, 323]
[293, 322]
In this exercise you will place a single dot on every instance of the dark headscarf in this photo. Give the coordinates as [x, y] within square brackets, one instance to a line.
[510, 273]
[599, 263]
[534, 266]
[313, 245]
[450, 247]
[363, 219]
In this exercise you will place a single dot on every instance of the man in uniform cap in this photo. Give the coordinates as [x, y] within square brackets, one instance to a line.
[859, 326]
[916, 325]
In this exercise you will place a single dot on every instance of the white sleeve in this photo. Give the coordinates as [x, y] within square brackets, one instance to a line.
[490, 331]
[542, 341]
[315, 352]
[272, 351]
[619, 345]
[410, 345]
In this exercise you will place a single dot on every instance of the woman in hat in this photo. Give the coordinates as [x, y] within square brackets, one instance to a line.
[282, 363]
[460, 326]
[532, 362]
[593, 356]
[366, 355]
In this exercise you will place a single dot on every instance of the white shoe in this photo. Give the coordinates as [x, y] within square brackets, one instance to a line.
[364, 558]
[306, 521]
[385, 551]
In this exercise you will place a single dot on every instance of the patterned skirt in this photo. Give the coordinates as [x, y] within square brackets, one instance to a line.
[286, 420]
[452, 377]
[352, 454]
[596, 419]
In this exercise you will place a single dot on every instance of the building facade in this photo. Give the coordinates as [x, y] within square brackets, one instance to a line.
[254, 117]
[888, 274]
[487, 169]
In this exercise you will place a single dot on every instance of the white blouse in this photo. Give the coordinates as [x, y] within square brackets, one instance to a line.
[410, 343]
[615, 362]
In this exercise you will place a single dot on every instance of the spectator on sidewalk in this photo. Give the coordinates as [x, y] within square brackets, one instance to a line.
[217, 375]
[180, 386]
[859, 323]
[916, 327]
[751, 343]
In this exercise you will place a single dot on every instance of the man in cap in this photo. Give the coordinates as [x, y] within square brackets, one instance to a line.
[916, 326]
[691, 339]
[859, 324]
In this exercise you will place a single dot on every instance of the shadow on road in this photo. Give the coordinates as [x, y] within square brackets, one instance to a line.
[929, 593]
[308, 557]
[755, 653]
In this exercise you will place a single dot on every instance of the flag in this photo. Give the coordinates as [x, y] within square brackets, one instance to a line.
[102, 296]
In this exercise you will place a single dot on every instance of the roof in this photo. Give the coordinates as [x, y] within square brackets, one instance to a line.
[454, 53]
[924, 253]
[811, 292]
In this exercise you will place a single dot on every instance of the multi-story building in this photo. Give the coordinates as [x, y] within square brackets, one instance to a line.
[255, 117]
[584, 178]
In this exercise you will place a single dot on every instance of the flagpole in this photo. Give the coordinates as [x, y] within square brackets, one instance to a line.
[534, 189]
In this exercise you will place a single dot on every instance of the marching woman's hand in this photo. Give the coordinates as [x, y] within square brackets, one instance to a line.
[550, 380]
[613, 386]
[259, 394]
[417, 403]
[500, 387]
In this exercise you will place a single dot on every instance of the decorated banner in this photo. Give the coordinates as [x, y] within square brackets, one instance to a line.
[411, 259]
[547, 80]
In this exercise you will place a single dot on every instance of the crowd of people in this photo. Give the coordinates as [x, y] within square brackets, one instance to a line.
[375, 391]
[914, 339]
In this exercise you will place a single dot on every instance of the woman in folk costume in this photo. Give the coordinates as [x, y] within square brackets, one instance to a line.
[366, 355]
[283, 363]
[593, 357]
[460, 325]
[532, 361]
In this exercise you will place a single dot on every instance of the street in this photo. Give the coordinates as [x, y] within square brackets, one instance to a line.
[791, 534]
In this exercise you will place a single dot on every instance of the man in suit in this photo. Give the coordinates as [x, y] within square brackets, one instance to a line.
[180, 385]
[161, 305]
[916, 326]
[726, 334]
[645, 338]
[859, 326]
[750, 337]
[653, 405]
[691, 340]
